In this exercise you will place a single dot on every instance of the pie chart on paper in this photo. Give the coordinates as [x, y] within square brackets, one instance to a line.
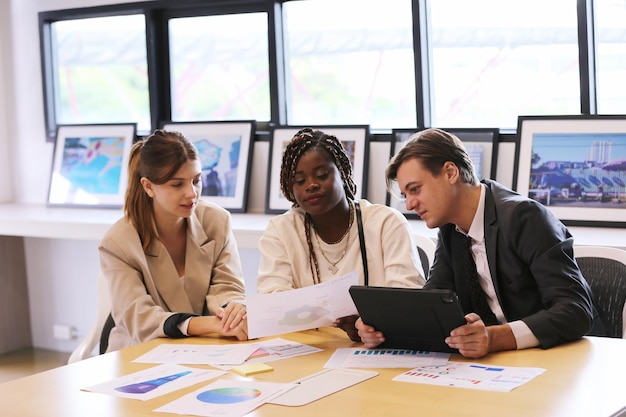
[231, 395]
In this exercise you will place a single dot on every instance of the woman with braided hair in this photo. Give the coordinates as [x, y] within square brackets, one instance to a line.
[318, 238]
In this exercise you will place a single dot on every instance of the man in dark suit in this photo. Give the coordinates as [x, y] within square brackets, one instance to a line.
[529, 289]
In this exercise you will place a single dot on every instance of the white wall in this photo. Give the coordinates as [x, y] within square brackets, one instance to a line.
[62, 273]
[5, 100]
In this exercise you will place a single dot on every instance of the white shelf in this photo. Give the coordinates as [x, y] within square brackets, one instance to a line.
[91, 224]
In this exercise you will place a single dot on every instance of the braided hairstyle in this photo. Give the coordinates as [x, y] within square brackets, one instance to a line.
[158, 158]
[303, 141]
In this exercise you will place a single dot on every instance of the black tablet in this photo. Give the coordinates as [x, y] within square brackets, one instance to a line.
[410, 318]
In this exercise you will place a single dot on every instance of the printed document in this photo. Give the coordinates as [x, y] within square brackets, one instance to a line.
[302, 308]
[472, 375]
[226, 398]
[198, 354]
[150, 383]
[384, 358]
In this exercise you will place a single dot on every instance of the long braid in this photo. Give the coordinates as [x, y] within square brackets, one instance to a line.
[312, 258]
[304, 140]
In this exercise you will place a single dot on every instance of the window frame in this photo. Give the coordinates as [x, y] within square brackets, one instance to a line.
[158, 12]
[46, 19]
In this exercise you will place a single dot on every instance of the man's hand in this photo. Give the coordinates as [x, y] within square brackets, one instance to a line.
[369, 335]
[475, 340]
[471, 339]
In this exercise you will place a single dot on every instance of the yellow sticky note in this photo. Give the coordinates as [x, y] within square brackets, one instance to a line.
[251, 368]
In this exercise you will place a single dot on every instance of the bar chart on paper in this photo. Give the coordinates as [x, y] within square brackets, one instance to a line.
[384, 358]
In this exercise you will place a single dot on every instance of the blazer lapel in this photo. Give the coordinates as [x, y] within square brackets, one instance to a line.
[198, 261]
[166, 280]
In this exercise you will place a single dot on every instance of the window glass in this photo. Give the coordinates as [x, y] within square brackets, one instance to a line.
[611, 56]
[350, 62]
[99, 74]
[492, 60]
[219, 67]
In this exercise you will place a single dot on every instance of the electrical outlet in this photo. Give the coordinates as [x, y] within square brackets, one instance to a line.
[63, 332]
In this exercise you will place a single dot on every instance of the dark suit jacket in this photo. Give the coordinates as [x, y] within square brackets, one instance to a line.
[530, 256]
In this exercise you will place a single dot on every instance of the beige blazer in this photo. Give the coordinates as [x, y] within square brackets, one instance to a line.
[145, 288]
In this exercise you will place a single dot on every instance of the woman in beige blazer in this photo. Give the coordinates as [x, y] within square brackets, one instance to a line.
[172, 262]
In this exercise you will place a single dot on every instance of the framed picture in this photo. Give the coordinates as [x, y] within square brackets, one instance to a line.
[576, 166]
[355, 140]
[225, 150]
[90, 165]
[481, 145]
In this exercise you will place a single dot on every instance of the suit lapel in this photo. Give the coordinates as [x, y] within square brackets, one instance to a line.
[491, 235]
[458, 253]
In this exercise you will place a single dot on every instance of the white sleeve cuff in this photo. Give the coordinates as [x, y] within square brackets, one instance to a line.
[524, 337]
[183, 326]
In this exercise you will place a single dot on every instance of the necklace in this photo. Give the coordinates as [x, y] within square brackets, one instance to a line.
[333, 265]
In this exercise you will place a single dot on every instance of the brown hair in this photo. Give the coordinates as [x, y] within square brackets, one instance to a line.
[303, 141]
[157, 158]
[434, 147]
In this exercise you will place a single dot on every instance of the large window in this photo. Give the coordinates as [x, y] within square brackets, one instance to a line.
[385, 63]
[492, 60]
[100, 75]
[350, 62]
[611, 55]
[219, 67]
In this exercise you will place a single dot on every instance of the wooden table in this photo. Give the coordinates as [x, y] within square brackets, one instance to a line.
[583, 378]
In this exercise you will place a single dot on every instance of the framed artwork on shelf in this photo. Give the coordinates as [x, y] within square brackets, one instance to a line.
[90, 165]
[481, 145]
[225, 149]
[355, 139]
[576, 166]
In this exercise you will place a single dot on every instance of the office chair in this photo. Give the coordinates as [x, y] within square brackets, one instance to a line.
[604, 268]
[93, 338]
[426, 249]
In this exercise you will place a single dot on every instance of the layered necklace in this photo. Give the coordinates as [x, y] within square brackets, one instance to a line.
[333, 265]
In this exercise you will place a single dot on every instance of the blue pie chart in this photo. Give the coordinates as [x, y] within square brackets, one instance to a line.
[229, 395]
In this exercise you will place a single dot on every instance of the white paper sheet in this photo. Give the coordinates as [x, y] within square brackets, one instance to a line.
[302, 308]
[231, 354]
[226, 398]
[472, 375]
[384, 358]
[276, 349]
[321, 384]
[150, 383]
